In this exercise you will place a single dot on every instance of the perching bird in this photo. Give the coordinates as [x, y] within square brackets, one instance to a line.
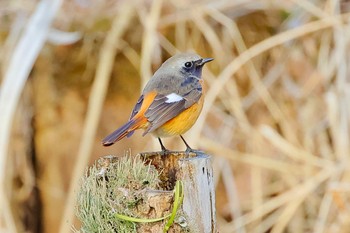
[170, 103]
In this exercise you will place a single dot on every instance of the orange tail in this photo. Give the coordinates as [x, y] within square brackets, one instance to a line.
[125, 130]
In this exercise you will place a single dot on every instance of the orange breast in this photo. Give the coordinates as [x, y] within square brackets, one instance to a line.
[182, 122]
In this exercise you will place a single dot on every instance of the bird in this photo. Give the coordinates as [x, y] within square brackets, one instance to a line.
[170, 103]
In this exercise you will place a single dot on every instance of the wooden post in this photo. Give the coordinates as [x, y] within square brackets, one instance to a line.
[135, 175]
[196, 173]
[199, 194]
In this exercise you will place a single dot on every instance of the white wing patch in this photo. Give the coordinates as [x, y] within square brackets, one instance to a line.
[171, 98]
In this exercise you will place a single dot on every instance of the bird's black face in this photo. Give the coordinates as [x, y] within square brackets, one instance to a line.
[195, 67]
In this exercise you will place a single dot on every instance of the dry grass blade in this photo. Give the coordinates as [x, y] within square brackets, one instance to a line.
[149, 40]
[290, 150]
[24, 56]
[235, 204]
[299, 191]
[275, 119]
[97, 97]
[286, 215]
[252, 159]
[252, 71]
[310, 7]
[324, 210]
[261, 47]
[209, 33]
[58, 37]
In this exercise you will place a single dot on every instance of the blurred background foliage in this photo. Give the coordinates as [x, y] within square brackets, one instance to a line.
[276, 118]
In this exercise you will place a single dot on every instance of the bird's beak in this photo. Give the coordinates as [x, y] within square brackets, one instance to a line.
[205, 60]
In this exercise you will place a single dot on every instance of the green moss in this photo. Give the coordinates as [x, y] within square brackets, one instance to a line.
[116, 188]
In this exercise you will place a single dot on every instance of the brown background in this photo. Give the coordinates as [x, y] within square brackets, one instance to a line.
[278, 130]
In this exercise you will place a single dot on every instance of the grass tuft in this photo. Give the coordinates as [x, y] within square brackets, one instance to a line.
[116, 188]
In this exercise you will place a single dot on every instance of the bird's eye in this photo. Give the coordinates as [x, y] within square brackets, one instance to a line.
[188, 64]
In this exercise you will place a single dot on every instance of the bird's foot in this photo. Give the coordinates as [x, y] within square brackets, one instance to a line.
[165, 151]
[190, 152]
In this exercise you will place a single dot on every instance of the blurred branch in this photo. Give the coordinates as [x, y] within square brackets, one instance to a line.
[20, 65]
[96, 100]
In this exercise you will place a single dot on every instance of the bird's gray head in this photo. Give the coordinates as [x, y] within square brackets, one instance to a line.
[186, 63]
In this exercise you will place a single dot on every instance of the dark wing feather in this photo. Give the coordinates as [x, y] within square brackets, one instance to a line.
[192, 97]
[160, 112]
[137, 107]
[135, 111]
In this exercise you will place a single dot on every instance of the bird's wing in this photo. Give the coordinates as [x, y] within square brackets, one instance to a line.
[167, 106]
[137, 107]
[135, 111]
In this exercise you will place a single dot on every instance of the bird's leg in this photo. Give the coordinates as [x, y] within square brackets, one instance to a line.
[162, 146]
[188, 149]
